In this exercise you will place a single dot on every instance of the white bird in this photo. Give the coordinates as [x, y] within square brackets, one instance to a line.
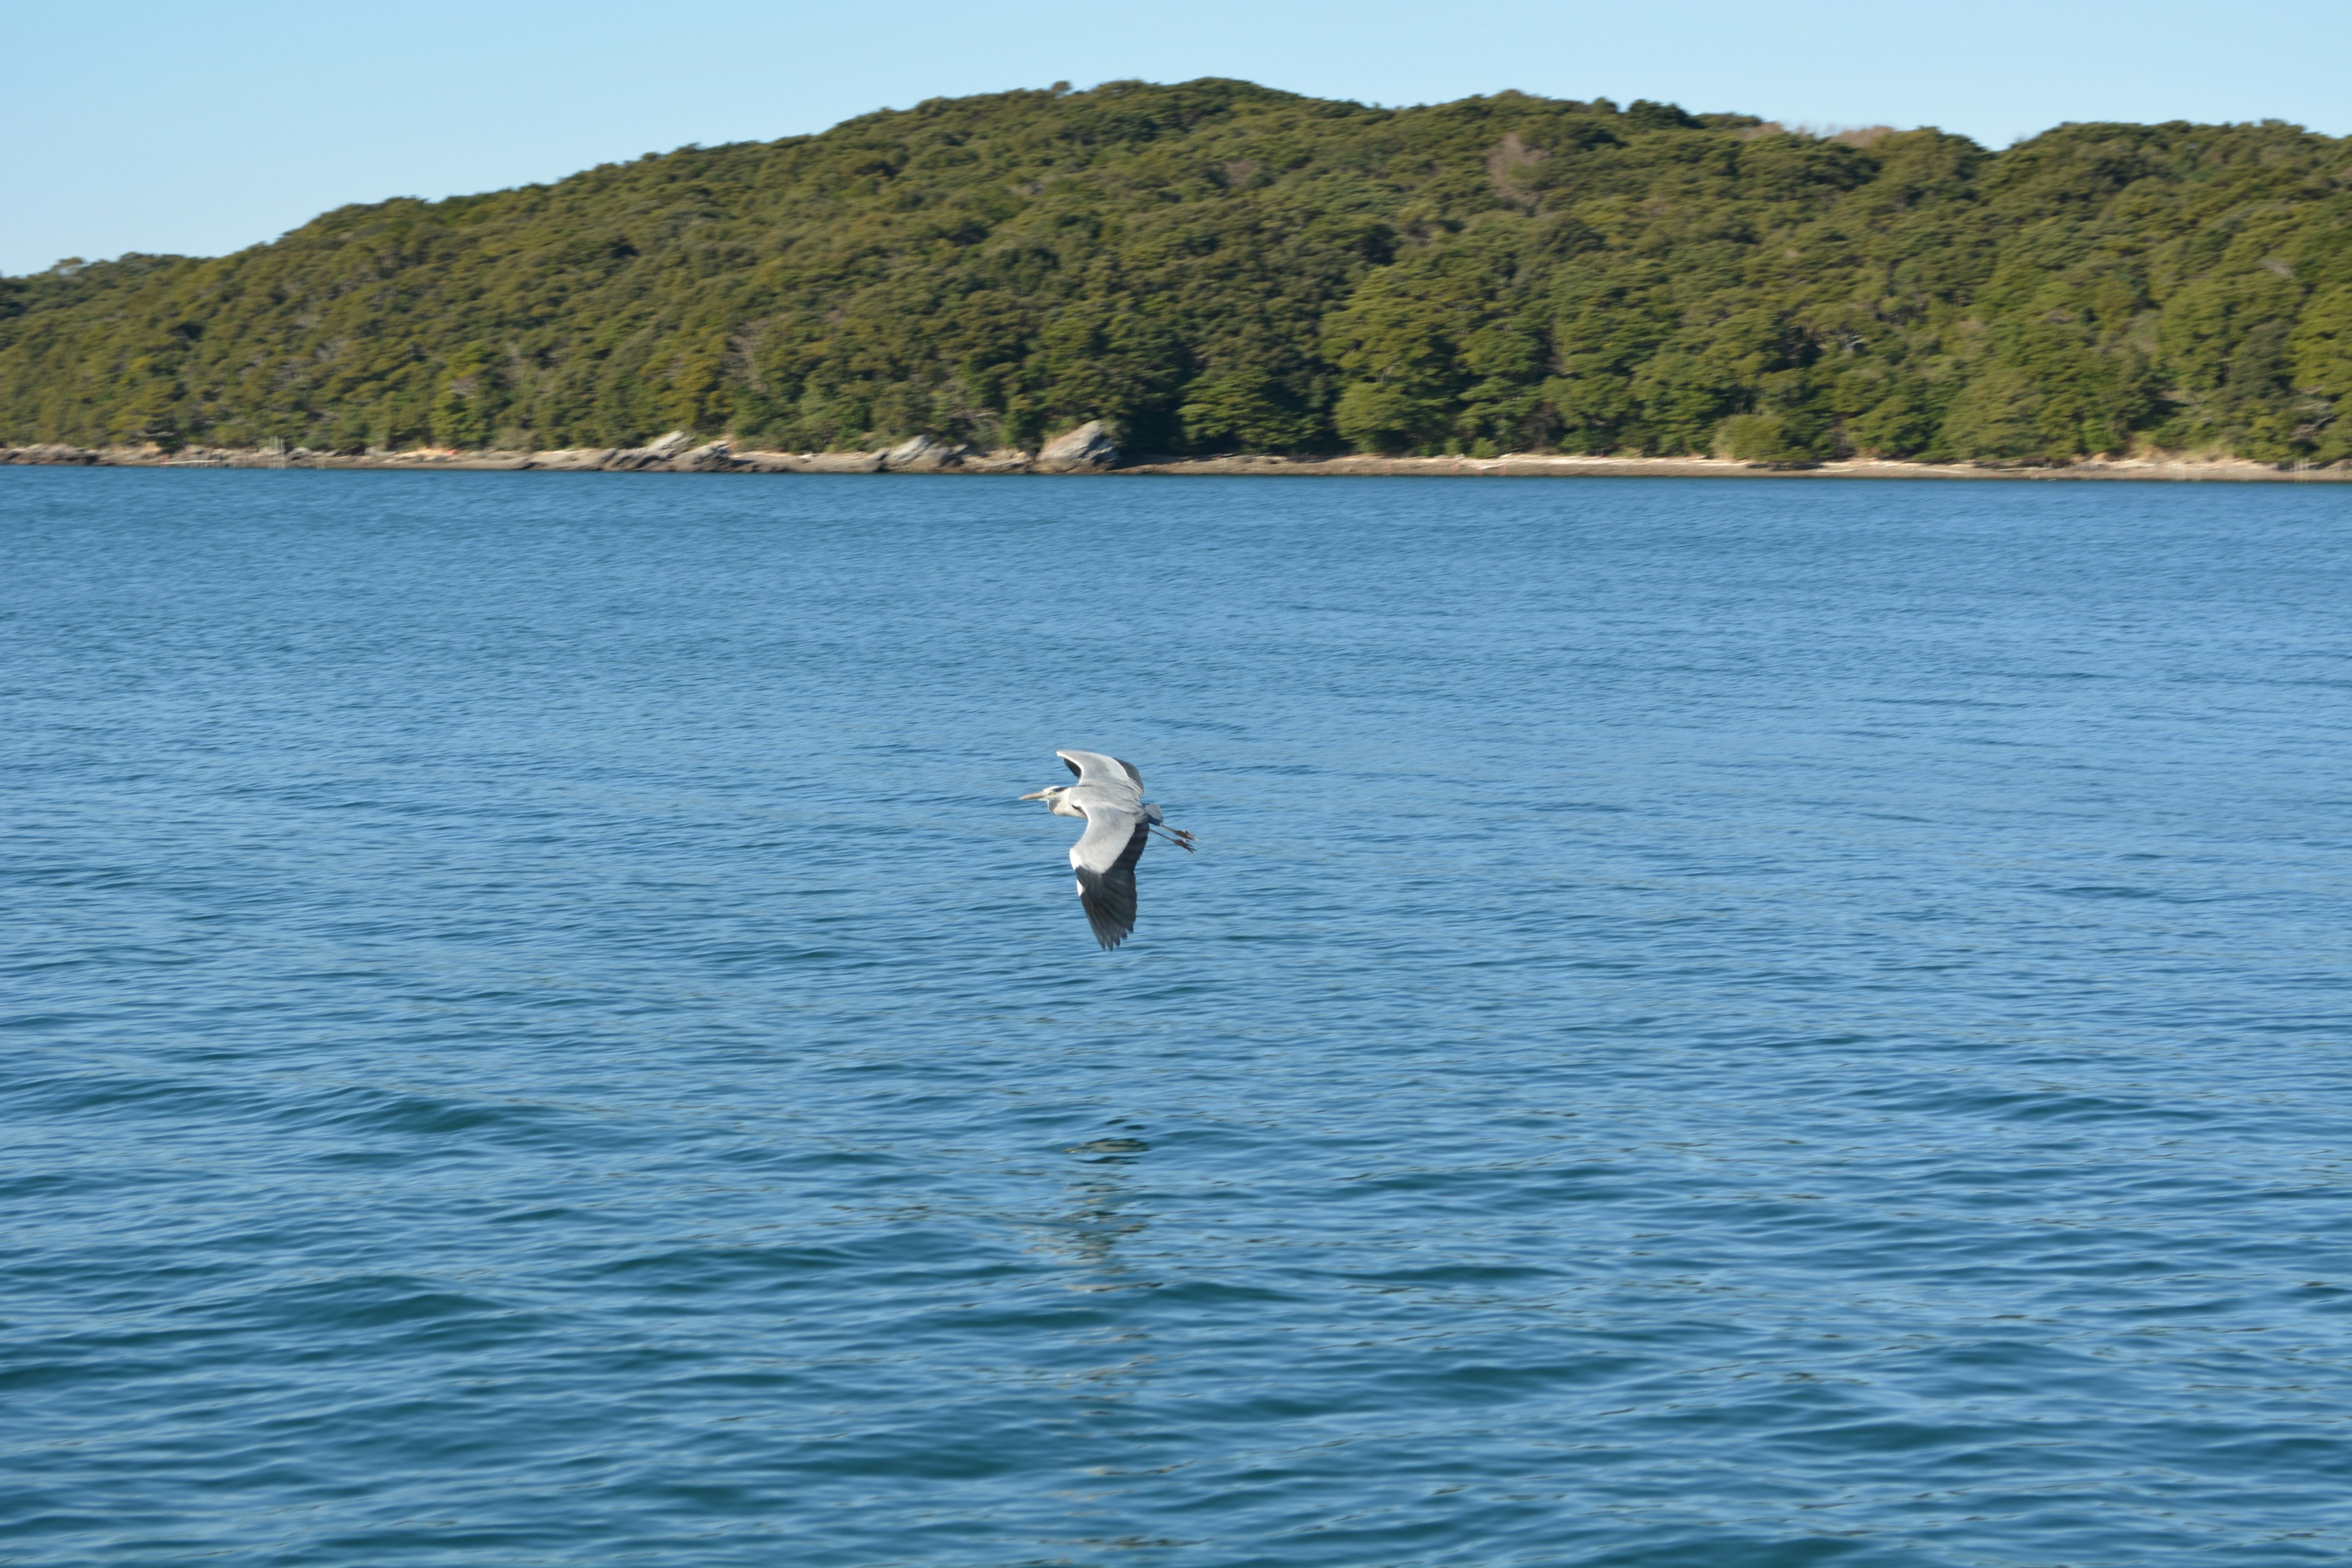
[1109, 796]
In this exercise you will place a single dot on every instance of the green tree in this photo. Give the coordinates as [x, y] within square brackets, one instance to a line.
[1249, 407]
[472, 395]
[2322, 360]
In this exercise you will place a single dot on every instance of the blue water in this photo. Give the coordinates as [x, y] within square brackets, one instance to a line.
[1715, 1023]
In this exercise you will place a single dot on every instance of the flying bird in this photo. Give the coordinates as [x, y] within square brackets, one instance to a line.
[1108, 797]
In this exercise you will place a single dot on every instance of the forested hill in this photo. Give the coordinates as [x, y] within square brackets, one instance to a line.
[1215, 266]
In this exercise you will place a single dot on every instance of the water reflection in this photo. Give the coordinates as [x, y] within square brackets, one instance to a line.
[1099, 1217]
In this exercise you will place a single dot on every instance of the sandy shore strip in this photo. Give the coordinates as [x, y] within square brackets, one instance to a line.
[723, 456]
[1544, 465]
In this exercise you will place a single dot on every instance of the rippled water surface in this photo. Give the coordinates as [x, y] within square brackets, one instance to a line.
[1715, 1023]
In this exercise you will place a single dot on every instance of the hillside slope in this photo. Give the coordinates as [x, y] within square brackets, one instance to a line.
[1214, 266]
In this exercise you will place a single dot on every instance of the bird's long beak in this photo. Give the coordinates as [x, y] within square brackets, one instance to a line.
[1039, 795]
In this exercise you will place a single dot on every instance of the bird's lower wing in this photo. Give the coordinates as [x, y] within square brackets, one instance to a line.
[1104, 858]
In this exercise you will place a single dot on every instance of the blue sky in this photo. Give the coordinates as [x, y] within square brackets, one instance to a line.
[202, 129]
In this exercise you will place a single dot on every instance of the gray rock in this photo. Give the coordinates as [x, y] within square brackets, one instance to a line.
[809, 462]
[645, 457]
[922, 454]
[573, 460]
[1088, 450]
[1002, 460]
[844, 462]
[712, 458]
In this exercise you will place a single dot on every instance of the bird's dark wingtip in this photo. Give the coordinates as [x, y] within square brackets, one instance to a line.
[1109, 900]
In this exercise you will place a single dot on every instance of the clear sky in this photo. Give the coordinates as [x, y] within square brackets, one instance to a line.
[203, 128]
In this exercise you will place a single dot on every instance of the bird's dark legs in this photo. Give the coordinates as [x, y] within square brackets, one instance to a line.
[1176, 836]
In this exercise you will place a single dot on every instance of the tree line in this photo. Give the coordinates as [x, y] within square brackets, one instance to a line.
[1214, 266]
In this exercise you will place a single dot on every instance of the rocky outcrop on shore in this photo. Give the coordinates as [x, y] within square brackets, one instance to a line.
[647, 456]
[574, 460]
[921, 455]
[73, 457]
[811, 462]
[1088, 450]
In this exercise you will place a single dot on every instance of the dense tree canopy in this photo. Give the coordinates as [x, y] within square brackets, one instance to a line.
[1215, 266]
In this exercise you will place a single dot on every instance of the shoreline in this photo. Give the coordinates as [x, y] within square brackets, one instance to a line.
[672, 455]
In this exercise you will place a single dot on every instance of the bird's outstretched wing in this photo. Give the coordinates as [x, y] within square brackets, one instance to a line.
[1103, 858]
[1092, 767]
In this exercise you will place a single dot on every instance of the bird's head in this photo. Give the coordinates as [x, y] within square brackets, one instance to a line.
[1051, 795]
